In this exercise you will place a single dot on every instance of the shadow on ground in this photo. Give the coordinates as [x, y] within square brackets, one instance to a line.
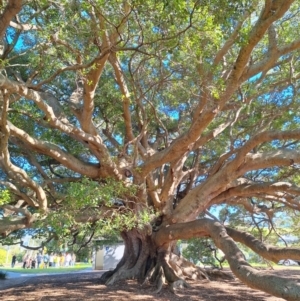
[85, 286]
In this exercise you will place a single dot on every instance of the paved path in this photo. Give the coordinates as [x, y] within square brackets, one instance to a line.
[13, 278]
[11, 275]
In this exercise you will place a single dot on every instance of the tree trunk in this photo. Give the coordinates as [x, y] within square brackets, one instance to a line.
[145, 261]
[151, 258]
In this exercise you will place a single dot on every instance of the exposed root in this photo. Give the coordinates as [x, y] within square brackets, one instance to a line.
[113, 278]
[170, 270]
[165, 275]
[203, 273]
[215, 274]
[187, 269]
[179, 284]
[155, 274]
[160, 281]
[159, 267]
[149, 274]
[105, 276]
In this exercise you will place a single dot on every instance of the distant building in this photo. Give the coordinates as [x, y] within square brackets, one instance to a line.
[107, 256]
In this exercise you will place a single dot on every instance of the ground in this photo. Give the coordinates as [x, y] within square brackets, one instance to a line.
[85, 286]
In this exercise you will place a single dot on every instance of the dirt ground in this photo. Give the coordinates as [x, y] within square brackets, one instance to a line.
[85, 286]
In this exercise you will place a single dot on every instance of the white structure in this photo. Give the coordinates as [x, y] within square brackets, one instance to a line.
[108, 256]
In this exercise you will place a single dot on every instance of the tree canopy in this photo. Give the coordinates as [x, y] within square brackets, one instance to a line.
[158, 120]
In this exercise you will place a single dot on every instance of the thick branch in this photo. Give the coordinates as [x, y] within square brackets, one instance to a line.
[260, 138]
[197, 200]
[8, 226]
[269, 159]
[269, 252]
[57, 121]
[126, 97]
[55, 152]
[275, 285]
[231, 40]
[14, 189]
[256, 189]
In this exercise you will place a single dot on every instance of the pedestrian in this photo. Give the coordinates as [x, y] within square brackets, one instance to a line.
[33, 262]
[28, 262]
[46, 260]
[68, 260]
[55, 260]
[25, 260]
[62, 259]
[39, 259]
[51, 260]
[73, 260]
[13, 260]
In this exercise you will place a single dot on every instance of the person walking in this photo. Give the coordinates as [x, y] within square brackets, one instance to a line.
[62, 259]
[25, 260]
[13, 260]
[46, 260]
[28, 262]
[51, 260]
[68, 260]
[39, 259]
[33, 261]
[73, 260]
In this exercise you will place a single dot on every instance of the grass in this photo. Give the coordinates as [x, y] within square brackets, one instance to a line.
[76, 268]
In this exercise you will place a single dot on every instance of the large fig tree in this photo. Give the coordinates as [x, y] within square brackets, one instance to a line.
[142, 117]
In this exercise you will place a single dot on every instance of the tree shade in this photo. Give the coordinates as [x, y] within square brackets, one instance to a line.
[158, 120]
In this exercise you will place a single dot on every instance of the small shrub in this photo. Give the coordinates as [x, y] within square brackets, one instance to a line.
[2, 275]
[3, 254]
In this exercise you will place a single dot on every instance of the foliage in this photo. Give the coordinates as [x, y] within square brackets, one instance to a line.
[202, 250]
[4, 197]
[83, 254]
[64, 232]
[19, 256]
[4, 256]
